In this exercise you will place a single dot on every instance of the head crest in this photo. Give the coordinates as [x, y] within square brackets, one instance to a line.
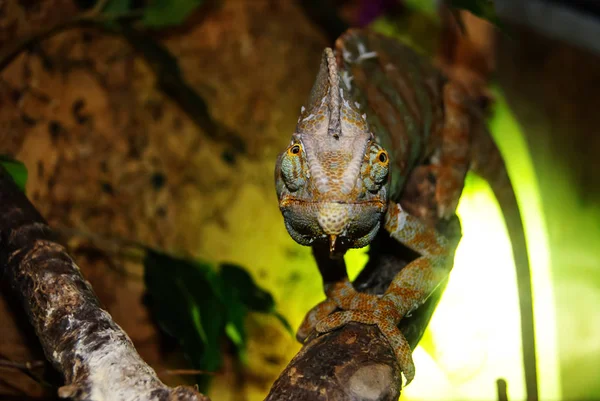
[323, 105]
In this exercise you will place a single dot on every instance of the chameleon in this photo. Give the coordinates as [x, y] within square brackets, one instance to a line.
[380, 119]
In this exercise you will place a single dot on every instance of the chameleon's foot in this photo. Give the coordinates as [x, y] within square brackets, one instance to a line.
[314, 316]
[387, 326]
[339, 295]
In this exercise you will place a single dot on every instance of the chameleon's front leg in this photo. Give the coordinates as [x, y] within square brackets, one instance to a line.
[338, 289]
[335, 277]
[409, 289]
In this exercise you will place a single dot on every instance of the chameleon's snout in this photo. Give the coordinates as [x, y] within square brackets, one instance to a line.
[333, 218]
[339, 225]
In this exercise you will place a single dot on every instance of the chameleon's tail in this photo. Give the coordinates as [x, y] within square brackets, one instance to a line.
[489, 164]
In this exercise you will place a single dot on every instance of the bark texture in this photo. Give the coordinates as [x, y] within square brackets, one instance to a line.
[96, 357]
[354, 363]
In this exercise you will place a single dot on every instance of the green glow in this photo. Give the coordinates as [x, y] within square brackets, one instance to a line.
[474, 336]
[355, 261]
[512, 144]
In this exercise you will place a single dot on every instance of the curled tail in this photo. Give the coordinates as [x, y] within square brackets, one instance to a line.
[489, 164]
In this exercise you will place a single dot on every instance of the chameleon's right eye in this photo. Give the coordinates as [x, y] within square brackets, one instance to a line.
[294, 149]
[375, 169]
[292, 168]
[382, 158]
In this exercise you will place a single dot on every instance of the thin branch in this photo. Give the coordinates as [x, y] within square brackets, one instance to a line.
[501, 387]
[80, 339]
[5, 363]
[28, 369]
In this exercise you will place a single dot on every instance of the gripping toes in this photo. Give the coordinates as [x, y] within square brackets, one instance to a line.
[315, 315]
[386, 326]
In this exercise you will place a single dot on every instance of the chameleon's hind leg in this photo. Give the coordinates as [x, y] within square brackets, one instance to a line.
[410, 288]
[451, 161]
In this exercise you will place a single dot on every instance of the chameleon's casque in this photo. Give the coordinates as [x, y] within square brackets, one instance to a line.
[332, 181]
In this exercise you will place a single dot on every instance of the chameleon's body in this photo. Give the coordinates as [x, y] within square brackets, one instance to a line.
[379, 119]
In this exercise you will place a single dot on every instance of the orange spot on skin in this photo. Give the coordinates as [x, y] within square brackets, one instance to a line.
[426, 240]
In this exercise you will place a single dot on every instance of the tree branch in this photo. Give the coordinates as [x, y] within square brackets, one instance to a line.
[95, 356]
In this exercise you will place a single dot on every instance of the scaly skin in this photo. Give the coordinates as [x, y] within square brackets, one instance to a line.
[377, 113]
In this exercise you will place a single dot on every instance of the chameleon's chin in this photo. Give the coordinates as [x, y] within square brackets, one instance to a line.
[339, 225]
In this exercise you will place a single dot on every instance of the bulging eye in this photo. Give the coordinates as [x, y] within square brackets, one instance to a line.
[382, 157]
[292, 168]
[375, 168]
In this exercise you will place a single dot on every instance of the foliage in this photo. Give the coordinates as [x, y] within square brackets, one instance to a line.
[16, 170]
[198, 304]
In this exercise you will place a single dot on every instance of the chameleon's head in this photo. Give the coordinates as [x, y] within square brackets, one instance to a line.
[332, 181]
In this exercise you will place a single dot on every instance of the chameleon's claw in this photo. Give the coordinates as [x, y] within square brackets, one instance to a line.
[387, 326]
[319, 312]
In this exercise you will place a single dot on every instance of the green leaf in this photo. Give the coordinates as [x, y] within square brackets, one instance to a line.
[239, 284]
[236, 309]
[186, 301]
[198, 306]
[285, 323]
[163, 13]
[237, 279]
[234, 334]
[16, 170]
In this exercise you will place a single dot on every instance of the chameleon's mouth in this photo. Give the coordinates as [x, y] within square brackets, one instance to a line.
[341, 225]
[290, 201]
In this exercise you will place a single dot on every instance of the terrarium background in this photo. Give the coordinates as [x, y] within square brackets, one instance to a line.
[109, 153]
